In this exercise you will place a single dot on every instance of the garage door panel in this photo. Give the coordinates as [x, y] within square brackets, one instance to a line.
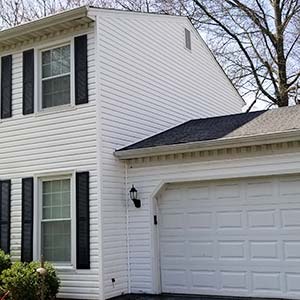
[289, 187]
[262, 218]
[264, 250]
[231, 250]
[291, 250]
[173, 249]
[175, 279]
[199, 220]
[260, 189]
[292, 282]
[204, 250]
[172, 220]
[266, 281]
[234, 280]
[230, 219]
[199, 193]
[228, 191]
[290, 217]
[203, 279]
[237, 238]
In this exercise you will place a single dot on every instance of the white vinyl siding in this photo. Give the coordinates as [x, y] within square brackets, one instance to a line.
[149, 83]
[47, 142]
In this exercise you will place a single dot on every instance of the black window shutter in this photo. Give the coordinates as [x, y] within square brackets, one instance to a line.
[81, 70]
[6, 86]
[27, 220]
[82, 221]
[5, 199]
[28, 82]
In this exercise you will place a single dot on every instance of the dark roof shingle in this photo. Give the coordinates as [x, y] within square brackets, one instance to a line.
[229, 126]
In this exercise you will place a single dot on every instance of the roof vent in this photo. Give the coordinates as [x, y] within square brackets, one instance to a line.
[188, 42]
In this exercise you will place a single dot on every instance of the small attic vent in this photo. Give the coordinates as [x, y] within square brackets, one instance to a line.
[188, 42]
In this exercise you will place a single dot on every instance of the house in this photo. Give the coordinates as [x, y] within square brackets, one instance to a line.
[95, 101]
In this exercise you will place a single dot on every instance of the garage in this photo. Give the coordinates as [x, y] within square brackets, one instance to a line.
[225, 196]
[231, 237]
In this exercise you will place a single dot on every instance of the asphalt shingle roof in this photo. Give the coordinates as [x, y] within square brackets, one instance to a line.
[230, 126]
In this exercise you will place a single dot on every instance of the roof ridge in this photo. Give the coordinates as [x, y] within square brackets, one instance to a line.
[250, 112]
[230, 115]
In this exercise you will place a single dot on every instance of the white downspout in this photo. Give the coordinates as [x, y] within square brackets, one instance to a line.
[127, 228]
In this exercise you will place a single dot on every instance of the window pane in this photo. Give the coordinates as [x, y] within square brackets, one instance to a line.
[56, 77]
[56, 199]
[65, 61]
[65, 185]
[56, 223]
[46, 57]
[47, 186]
[56, 186]
[56, 91]
[56, 68]
[65, 197]
[56, 241]
[47, 213]
[47, 70]
[56, 212]
[47, 200]
[66, 53]
[56, 61]
[56, 54]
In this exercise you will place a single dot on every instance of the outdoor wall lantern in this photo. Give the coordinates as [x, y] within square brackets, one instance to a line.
[134, 198]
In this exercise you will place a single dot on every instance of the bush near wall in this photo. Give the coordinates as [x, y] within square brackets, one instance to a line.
[5, 262]
[24, 283]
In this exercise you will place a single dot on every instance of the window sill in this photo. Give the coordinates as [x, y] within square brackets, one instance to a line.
[67, 268]
[54, 110]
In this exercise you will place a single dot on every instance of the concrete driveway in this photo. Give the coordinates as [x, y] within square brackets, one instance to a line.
[178, 297]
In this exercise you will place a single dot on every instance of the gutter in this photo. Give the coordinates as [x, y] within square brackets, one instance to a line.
[224, 143]
[43, 23]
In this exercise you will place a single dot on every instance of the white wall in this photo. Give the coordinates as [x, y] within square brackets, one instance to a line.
[46, 143]
[150, 178]
[148, 82]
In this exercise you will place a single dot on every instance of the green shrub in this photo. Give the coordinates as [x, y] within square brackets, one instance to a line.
[5, 261]
[24, 283]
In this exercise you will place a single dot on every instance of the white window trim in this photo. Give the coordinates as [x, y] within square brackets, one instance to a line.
[38, 78]
[38, 217]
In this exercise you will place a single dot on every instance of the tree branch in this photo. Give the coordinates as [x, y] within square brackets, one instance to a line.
[241, 47]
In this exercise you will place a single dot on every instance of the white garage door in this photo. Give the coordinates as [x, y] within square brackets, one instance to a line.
[234, 237]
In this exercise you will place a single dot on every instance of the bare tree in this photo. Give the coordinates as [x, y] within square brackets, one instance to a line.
[14, 12]
[177, 7]
[258, 42]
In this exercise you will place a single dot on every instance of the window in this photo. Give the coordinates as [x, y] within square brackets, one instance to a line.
[56, 220]
[56, 76]
[188, 42]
